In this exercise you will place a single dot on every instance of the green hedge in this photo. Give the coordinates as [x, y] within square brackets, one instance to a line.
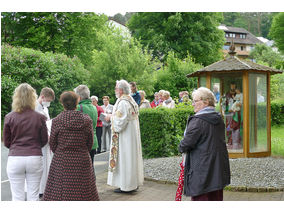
[161, 130]
[24, 65]
[277, 112]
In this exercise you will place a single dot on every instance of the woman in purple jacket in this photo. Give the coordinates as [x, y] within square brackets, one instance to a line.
[24, 134]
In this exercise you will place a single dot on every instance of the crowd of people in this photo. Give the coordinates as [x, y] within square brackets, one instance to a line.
[52, 159]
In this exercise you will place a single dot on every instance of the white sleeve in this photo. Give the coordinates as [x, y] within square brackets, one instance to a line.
[120, 117]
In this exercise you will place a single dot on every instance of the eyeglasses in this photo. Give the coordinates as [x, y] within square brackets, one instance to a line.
[195, 101]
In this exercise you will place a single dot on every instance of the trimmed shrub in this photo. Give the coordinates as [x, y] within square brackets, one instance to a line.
[24, 65]
[162, 130]
[277, 112]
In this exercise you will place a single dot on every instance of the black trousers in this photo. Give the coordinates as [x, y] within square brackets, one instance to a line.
[99, 131]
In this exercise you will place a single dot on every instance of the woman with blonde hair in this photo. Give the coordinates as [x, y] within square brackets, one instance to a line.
[144, 103]
[167, 100]
[24, 133]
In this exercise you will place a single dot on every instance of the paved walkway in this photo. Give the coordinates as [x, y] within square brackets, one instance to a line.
[154, 191]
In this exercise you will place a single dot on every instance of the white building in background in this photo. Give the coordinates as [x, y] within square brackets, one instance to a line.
[124, 30]
[268, 43]
[244, 40]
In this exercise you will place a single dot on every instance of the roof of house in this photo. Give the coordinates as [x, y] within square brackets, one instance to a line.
[231, 64]
[250, 38]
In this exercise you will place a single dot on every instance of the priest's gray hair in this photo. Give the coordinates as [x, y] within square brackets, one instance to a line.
[83, 91]
[124, 85]
[204, 94]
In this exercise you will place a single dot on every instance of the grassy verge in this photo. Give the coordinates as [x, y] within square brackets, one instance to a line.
[277, 141]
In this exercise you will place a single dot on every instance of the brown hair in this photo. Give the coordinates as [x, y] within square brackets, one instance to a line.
[47, 92]
[105, 97]
[69, 100]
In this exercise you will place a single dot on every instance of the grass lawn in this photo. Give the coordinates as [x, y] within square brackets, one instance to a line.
[277, 141]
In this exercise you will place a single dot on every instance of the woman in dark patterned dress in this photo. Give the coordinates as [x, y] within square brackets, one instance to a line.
[71, 175]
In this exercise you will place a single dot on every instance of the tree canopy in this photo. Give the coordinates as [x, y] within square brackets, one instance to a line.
[70, 33]
[277, 31]
[194, 34]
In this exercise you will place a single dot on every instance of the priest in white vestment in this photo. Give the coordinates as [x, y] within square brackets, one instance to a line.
[125, 163]
[42, 104]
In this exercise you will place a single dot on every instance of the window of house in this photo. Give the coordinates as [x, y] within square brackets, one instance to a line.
[242, 35]
[226, 47]
[227, 35]
[243, 48]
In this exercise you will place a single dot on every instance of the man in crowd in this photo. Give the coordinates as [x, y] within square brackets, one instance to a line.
[43, 102]
[125, 164]
[135, 94]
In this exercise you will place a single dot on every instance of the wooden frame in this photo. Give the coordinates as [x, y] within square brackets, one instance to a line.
[245, 113]
[246, 124]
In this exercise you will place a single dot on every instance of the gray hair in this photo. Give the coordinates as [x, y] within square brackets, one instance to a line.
[83, 91]
[166, 94]
[94, 97]
[204, 94]
[124, 85]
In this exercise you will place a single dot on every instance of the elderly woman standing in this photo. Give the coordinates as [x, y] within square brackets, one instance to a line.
[71, 175]
[207, 169]
[85, 105]
[25, 133]
[144, 103]
[167, 100]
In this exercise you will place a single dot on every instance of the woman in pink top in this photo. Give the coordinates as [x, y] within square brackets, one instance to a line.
[99, 128]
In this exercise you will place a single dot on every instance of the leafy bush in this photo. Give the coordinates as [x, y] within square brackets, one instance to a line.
[277, 112]
[24, 65]
[162, 129]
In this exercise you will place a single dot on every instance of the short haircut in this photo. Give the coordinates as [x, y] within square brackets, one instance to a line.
[47, 92]
[24, 98]
[105, 97]
[166, 94]
[124, 85]
[69, 100]
[142, 92]
[204, 94]
[83, 91]
[133, 84]
[94, 97]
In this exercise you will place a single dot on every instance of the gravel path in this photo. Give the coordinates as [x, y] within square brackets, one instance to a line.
[246, 172]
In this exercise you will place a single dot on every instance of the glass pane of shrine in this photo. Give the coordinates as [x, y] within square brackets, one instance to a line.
[215, 88]
[232, 110]
[202, 81]
[257, 113]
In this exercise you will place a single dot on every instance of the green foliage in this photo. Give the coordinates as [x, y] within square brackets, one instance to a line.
[193, 33]
[258, 23]
[265, 55]
[166, 132]
[120, 57]
[70, 33]
[172, 77]
[277, 112]
[277, 140]
[277, 31]
[24, 65]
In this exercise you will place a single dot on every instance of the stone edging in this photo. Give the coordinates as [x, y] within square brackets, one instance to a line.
[227, 188]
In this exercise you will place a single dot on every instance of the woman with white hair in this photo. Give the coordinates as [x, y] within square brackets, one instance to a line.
[144, 103]
[25, 133]
[167, 100]
[205, 154]
[85, 105]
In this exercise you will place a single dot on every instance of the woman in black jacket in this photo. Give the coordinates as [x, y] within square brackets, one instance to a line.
[207, 169]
